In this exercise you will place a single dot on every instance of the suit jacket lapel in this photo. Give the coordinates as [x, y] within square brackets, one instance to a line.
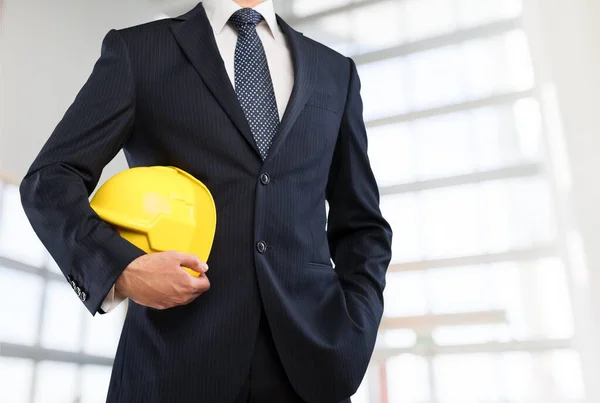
[305, 64]
[196, 38]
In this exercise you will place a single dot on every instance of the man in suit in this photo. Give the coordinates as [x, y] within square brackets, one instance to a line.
[271, 122]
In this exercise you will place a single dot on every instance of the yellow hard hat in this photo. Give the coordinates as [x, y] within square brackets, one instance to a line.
[159, 209]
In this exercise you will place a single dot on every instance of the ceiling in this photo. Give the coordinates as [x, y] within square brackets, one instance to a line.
[174, 8]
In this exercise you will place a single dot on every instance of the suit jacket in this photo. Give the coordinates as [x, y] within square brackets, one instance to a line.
[160, 91]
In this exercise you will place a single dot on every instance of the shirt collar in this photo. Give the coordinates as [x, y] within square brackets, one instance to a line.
[219, 11]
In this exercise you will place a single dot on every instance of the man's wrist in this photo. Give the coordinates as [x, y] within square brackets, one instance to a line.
[119, 287]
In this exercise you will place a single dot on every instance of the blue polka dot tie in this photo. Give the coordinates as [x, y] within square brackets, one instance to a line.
[253, 84]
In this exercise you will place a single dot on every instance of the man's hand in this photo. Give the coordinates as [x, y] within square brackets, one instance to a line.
[158, 280]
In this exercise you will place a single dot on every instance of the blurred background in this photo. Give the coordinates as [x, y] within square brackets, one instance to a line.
[484, 134]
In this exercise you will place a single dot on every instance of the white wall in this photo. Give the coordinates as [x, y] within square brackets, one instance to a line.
[48, 51]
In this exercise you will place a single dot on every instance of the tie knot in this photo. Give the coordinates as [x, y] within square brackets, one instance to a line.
[245, 17]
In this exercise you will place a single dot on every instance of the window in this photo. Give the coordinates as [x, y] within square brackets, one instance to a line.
[25, 315]
[48, 321]
[357, 27]
[16, 375]
[62, 321]
[507, 376]
[94, 382]
[477, 306]
[49, 375]
[102, 332]
[17, 239]
[453, 74]
[408, 379]
[489, 217]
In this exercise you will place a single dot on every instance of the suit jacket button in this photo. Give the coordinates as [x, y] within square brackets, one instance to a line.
[261, 247]
[265, 179]
[83, 296]
[73, 284]
[78, 291]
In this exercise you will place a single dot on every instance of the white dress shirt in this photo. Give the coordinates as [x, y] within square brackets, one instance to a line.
[278, 57]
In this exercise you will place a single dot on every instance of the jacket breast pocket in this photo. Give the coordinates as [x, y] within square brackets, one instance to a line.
[325, 101]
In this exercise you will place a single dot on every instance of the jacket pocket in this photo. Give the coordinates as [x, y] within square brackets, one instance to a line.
[319, 266]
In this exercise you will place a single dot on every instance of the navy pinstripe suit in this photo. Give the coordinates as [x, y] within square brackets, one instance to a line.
[160, 92]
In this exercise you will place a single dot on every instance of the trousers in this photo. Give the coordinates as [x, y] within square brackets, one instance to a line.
[267, 381]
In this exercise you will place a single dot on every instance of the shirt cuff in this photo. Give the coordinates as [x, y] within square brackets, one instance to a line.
[112, 300]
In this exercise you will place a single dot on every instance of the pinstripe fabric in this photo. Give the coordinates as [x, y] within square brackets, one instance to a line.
[160, 91]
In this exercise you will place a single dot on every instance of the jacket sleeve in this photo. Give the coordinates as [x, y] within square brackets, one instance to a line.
[55, 191]
[359, 237]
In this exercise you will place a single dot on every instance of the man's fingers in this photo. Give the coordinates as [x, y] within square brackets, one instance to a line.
[200, 284]
[192, 262]
[192, 272]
